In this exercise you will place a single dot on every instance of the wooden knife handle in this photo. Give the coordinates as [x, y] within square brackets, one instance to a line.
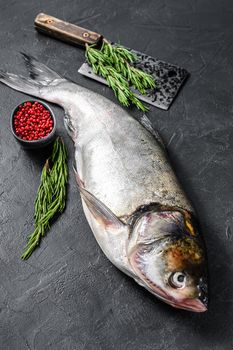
[65, 31]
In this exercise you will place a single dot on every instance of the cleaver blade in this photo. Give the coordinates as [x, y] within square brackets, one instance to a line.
[169, 79]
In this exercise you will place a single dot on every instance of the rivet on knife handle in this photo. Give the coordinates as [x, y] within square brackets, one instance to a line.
[65, 31]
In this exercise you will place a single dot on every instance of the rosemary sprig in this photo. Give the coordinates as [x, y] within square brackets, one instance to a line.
[114, 63]
[51, 195]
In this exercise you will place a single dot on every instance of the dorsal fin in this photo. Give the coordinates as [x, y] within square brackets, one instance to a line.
[148, 126]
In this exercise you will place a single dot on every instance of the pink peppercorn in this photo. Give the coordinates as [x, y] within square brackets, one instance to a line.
[32, 121]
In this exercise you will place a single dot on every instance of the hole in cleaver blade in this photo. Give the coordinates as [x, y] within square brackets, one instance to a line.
[169, 79]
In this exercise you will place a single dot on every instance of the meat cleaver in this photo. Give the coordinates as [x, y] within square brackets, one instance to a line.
[169, 77]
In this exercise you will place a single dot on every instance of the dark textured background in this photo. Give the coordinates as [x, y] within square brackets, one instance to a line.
[68, 296]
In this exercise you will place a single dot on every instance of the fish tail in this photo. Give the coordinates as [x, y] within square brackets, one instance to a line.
[39, 82]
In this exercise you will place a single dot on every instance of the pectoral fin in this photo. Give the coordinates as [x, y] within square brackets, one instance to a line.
[97, 208]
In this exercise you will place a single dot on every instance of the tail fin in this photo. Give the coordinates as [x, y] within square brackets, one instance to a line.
[39, 71]
[41, 77]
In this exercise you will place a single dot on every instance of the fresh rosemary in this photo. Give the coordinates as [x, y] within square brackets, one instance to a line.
[115, 64]
[51, 195]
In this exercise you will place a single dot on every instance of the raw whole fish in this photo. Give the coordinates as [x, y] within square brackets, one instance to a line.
[131, 197]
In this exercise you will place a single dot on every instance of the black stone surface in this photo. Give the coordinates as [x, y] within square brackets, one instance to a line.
[68, 296]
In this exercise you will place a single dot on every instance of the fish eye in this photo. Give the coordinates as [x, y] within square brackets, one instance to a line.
[177, 279]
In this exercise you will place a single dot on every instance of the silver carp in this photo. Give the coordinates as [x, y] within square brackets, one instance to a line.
[132, 200]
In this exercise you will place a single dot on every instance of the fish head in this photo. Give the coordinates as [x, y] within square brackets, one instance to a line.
[168, 258]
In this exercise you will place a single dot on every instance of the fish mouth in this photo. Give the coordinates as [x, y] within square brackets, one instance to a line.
[198, 305]
[194, 305]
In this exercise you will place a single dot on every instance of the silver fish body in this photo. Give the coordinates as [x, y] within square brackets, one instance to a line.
[119, 160]
[132, 199]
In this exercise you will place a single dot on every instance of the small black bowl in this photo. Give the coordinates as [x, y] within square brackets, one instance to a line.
[43, 142]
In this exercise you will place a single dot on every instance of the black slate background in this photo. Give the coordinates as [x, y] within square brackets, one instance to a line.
[68, 296]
